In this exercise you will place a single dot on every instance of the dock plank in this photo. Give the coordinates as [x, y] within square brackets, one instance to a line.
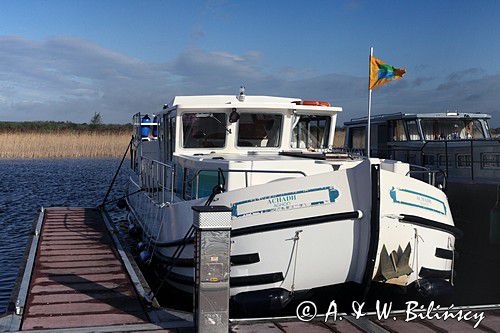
[78, 279]
[299, 327]
[256, 328]
[81, 320]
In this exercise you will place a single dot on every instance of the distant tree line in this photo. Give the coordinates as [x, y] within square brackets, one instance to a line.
[62, 126]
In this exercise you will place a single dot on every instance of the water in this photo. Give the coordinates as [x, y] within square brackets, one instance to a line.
[26, 185]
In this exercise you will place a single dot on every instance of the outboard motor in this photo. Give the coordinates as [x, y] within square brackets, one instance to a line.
[145, 128]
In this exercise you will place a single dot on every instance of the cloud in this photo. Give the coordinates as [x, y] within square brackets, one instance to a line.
[70, 78]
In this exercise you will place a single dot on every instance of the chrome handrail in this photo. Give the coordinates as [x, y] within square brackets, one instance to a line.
[157, 180]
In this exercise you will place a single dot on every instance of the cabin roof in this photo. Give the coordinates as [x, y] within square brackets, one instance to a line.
[250, 102]
[400, 115]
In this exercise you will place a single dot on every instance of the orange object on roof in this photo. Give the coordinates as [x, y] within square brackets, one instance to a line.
[312, 103]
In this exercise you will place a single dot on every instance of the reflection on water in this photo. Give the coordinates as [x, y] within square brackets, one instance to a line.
[478, 264]
[26, 185]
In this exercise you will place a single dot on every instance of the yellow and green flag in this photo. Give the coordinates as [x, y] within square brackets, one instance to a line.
[381, 73]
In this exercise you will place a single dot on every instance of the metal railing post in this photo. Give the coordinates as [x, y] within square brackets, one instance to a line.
[472, 159]
[212, 265]
[172, 183]
[446, 155]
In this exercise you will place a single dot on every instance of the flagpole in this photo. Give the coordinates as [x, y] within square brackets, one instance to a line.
[368, 131]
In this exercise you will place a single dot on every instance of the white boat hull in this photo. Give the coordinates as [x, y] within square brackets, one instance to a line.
[305, 233]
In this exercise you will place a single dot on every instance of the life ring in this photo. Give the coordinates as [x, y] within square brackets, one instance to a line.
[312, 103]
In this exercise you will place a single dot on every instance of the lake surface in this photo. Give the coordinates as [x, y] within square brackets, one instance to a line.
[26, 185]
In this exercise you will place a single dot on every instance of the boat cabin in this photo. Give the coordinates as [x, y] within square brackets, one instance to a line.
[458, 143]
[245, 140]
[194, 125]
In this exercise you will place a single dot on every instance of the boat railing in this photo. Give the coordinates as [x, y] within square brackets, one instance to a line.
[193, 182]
[459, 159]
[157, 180]
[463, 154]
[434, 177]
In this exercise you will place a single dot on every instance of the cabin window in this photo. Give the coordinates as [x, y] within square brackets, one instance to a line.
[463, 161]
[397, 130]
[310, 131]
[179, 180]
[199, 183]
[451, 129]
[204, 130]
[259, 130]
[490, 161]
[412, 127]
[357, 137]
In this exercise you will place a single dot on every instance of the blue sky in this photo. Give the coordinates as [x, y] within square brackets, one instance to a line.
[63, 60]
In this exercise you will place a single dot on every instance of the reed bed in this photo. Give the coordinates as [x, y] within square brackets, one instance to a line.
[67, 144]
[338, 140]
[74, 144]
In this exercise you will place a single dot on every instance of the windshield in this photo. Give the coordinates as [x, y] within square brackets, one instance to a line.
[412, 127]
[397, 130]
[204, 130]
[452, 129]
[310, 131]
[259, 130]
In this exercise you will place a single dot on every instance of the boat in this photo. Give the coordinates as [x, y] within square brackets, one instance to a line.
[459, 148]
[305, 216]
[464, 159]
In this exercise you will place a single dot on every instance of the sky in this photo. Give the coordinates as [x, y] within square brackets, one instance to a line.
[65, 60]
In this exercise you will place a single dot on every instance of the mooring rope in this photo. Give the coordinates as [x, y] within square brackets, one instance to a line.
[116, 173]
[178, 251]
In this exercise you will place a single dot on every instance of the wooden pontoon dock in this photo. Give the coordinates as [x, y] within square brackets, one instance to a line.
[76, 278]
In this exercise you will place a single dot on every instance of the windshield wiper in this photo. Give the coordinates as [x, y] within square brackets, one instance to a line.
[220, 122]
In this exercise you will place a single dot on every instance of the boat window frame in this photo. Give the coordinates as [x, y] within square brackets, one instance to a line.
[486, 128]
[304, 113]
[356, 127]
[418, 127]
[181, 129]
[282, 127]
[167, 134]
[456, 119]
[485, 163]
[390, 126]
[467, 161]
